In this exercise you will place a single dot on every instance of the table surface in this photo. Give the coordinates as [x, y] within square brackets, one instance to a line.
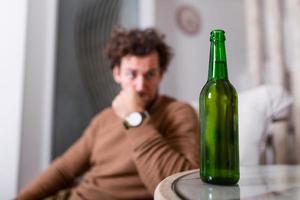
[256, 182]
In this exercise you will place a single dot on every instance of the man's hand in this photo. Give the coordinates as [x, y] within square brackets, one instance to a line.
[126, 102]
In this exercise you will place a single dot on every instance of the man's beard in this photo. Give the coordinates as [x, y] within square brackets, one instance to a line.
[148, 101]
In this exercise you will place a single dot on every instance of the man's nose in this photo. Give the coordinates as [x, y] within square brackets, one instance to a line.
[140, 83]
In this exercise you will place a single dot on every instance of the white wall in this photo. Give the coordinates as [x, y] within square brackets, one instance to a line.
[12, 53]
[146, 13]
[188, 71]
[38, 89]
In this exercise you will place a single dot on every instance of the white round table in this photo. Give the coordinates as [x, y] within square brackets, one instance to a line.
[256, 182]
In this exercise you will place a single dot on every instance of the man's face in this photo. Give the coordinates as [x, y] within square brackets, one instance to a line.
[141, 73]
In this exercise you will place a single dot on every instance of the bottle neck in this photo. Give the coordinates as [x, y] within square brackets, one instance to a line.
[217, 61]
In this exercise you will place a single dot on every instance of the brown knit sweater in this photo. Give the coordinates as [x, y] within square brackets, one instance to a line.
[124, 164]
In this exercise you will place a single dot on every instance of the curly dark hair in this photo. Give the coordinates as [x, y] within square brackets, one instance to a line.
[140, 43]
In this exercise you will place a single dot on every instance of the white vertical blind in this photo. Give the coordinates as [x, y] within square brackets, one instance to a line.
[276, 69]
[274, 42]
[254, 40]
[293, 8]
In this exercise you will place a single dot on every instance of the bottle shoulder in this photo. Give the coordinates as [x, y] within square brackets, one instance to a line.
[218, 86]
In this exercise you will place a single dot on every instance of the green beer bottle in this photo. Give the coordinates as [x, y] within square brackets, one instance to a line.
[218, 107]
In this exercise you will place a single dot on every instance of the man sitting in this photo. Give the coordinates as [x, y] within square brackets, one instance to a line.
[130, 147]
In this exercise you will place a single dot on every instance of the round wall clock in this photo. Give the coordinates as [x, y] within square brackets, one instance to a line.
[188, 19]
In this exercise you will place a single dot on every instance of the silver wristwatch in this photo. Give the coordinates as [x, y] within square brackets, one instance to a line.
[135, 119]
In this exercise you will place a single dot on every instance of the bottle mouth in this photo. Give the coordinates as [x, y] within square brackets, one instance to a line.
[217, 35]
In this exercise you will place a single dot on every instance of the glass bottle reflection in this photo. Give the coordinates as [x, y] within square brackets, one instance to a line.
[217, 192]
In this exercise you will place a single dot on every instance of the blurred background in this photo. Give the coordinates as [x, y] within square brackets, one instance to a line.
[54, 77]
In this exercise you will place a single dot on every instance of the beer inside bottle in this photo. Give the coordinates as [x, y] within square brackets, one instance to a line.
[218, 107]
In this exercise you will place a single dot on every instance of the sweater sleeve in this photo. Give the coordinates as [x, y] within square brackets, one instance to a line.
[63, 170]
[158, 155]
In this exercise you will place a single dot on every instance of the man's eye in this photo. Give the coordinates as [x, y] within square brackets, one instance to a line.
[131, 75]
[150, 74]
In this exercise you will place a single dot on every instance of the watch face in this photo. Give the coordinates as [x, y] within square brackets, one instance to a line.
[134, 119]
